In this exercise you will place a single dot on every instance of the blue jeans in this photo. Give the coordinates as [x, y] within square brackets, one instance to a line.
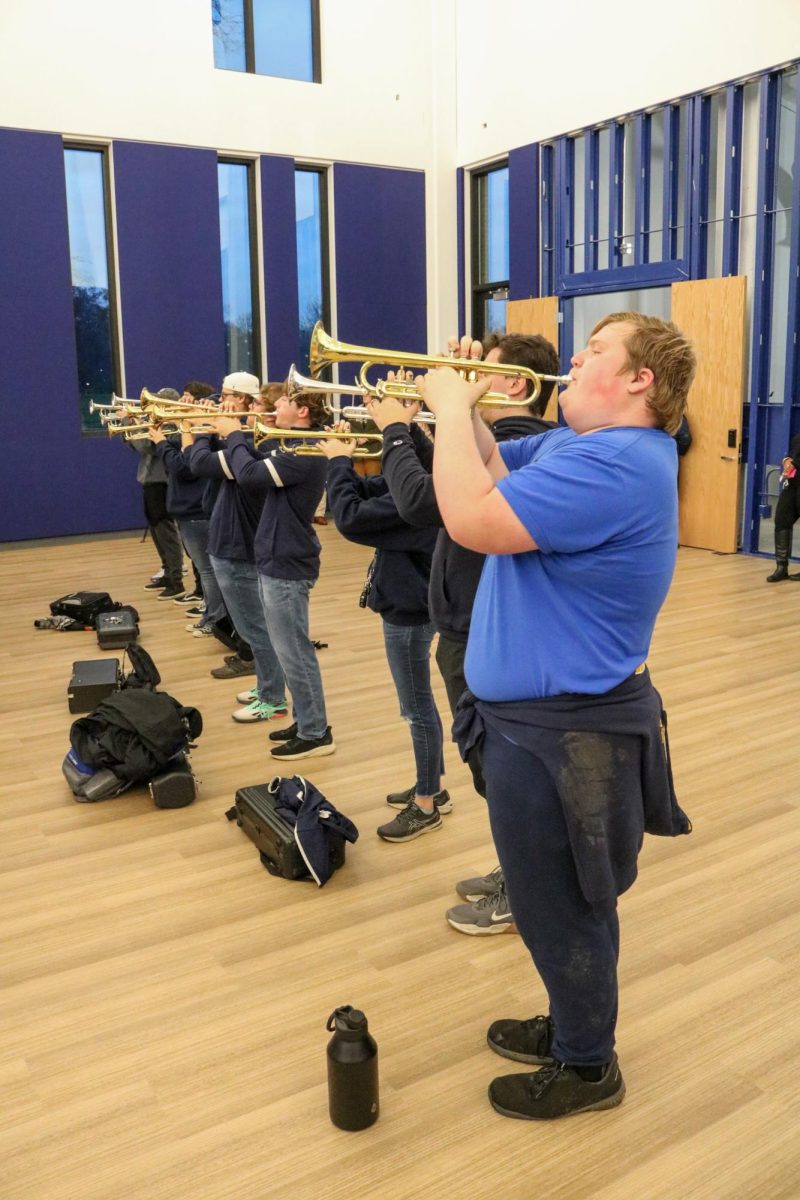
[194, 533]
[408, 650]
[285, 604]
[238, 580]
[574, 946]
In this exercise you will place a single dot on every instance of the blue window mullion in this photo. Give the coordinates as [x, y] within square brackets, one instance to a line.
[641, 174]
[698, 222]
[591, 204]
[792, 377]
[548, 233]
[672, 128]
[761, 323]
[562, 214]
[616, 177]
[569, 207]
[733, 179]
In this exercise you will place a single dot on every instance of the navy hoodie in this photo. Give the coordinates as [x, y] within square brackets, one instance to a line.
[236, 513]
[184, 489]
[286, 545]
[365, 512]
[455, 572]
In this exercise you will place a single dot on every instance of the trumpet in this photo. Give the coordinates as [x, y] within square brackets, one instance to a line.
[372, 446]
[324, 351]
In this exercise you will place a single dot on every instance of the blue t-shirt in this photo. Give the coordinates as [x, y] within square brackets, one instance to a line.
[577, 614]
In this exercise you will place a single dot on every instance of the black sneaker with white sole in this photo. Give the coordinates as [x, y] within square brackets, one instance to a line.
[556, 1091]
[284, 735]
[411, 823]
[524, 1041]
[401, 799]
[480, 885]
[297, 747]
[172, 592]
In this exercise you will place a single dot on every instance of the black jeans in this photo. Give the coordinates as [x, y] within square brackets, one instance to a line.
[574, 945]
[166, 538]
[450, 660]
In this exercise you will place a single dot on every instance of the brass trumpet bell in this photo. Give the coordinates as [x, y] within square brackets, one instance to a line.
[324, 351]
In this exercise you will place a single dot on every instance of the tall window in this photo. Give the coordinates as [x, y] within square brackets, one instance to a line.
[89, 247]
[267, 37]
[312, 282]
[237, 226]
[490, 271]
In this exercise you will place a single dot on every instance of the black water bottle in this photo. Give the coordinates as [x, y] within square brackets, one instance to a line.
[352, 1070]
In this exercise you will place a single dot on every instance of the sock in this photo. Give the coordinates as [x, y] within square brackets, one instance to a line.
[591, 1074]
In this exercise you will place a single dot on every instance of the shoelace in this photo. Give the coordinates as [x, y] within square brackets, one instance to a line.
[541, 1080]
[493, 899]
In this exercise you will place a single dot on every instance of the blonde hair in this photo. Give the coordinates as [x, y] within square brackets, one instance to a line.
[667, 352]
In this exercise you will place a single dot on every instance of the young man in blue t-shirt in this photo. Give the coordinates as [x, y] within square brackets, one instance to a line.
[580, 529]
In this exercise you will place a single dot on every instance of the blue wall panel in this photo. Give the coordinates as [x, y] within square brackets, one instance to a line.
[381, 291]
[523, 222]
[55, 481]
[280, 263]
[169, 265]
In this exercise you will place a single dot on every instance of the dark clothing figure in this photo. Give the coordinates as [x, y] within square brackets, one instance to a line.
[787, 511]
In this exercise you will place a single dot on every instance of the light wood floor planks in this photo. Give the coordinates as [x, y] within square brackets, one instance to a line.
[163, 999]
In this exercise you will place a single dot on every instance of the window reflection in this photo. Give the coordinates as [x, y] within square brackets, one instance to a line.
[490, 263]
[268, 37]
[308, 187]
[88, 245]
[237, 269]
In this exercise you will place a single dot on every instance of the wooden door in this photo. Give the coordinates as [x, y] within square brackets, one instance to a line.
[712, 313]
[537, 316]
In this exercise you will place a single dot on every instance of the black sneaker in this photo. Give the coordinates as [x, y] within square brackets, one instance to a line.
[401, 799]
[489, 915]
[234, 666]
[188, 598]
[481, 885]
[411, 823]
[172, 592]
[284, 735]
[155, 584]
[297, 747]
[524, 1041]
[198, 610]
[556, 1091]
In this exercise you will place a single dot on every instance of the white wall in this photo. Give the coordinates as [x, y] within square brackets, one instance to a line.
[531, 70]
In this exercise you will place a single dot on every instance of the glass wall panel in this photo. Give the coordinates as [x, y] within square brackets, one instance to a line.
[89, 256]
[310, 225]
[579, 203]
[492, 226]
[588, 310]
[227, 22]
[239, 309]
[628, 196]
[716, 183]
[681, 151]
[283, 36]
[604, 168]
[655, 217]
[494, 316]
[782, 234]
[748, 204]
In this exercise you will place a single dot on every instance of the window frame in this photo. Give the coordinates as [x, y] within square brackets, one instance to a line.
[253, 240]
[104, 149]
[480, 292]
[250, 46]
[323, 176]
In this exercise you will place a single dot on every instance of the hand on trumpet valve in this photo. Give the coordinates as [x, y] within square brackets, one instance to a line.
[465, 347]
[445, 391]
[388, 410]
[226, 425]
[338, 447]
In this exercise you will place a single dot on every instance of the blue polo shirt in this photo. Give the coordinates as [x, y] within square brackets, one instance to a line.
[577, 614]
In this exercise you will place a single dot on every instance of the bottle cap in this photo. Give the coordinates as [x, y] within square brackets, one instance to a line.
[348, 1021]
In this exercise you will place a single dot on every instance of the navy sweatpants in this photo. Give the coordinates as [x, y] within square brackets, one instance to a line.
[574, 946]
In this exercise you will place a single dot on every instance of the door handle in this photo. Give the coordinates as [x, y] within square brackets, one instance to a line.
[728, 458]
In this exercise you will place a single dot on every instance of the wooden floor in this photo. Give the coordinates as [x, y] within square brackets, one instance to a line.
[164, 1000]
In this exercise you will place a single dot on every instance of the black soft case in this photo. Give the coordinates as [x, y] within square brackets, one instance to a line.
[116, 629]
[175, 787]
[255, 814]
[92, 680]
